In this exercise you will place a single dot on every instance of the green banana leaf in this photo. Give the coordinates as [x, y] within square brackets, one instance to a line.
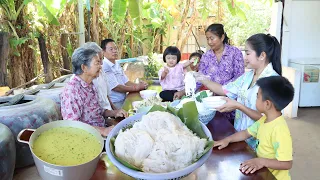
[112, 148]
[203, 94]
[188, 115]
[208, 146]
[157, 108]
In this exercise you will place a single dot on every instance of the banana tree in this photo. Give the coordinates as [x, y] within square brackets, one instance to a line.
[17, 20]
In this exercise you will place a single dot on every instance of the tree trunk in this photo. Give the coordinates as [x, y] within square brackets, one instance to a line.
[65, 57]
[4, 53]
[45, 59]
[95, 22]
[21, 67]
[183, 23]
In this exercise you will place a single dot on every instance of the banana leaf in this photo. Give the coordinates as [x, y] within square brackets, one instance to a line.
[203, 94]
[157, 108]
[208, 146]
[112, 148]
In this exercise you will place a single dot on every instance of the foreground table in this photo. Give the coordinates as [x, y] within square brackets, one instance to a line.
[222, 164]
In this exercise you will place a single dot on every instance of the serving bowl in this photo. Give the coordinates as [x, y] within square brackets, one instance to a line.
[148, 93]
[128, 122]
[213, 102]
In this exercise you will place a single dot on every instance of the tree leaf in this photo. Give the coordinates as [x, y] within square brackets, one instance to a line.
[134, 11]
[231, 9]
[156, 22]
[119, 9]
[25, 2]
[241, 14]
[51, 18]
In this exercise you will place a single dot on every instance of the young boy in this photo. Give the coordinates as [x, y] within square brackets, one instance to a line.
[274, 145]
[196, 56]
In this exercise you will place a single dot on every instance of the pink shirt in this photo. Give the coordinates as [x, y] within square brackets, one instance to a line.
[174, 79]
[79, 102]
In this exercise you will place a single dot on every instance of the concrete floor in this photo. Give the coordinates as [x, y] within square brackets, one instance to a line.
[305, 132]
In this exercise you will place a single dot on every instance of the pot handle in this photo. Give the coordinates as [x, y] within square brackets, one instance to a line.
[104, 138]
[102, 153]
[25, 135]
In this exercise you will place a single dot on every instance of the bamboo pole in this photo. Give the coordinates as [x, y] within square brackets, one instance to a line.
[81, 23]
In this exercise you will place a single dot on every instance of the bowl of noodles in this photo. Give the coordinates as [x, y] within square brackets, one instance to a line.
[159, 145]
[64, 149]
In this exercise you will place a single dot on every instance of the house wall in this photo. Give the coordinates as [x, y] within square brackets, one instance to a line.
[301, 30]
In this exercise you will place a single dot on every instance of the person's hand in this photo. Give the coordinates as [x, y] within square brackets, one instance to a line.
[142, 86]
[252, 165]
[145, 84]
[200, 77]
[221, 144]
[105, 131]
[120, 113]
[229, 106]
[166, 70]
[178, 95]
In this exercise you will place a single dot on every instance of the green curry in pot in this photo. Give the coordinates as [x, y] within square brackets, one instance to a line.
[66, 146]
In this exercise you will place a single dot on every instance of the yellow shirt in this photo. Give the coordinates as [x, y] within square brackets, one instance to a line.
[273, 142]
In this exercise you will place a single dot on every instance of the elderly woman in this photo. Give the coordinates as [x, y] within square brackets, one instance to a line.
[79, 100]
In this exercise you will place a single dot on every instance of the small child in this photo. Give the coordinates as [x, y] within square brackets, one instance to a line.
[274, 143]
[196, 56]
[172, 76]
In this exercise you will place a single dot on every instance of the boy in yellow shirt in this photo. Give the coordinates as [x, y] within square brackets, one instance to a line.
[274, 145]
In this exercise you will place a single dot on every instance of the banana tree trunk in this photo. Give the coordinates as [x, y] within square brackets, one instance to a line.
[65, 56]
[4, 52]
[21, 67]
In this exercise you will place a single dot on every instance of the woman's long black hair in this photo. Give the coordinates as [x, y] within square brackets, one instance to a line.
[270, 45]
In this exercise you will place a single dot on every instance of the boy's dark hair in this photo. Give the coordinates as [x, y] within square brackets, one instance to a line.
[199, 55]
[276, 89]
[105, 42]
[172, 50]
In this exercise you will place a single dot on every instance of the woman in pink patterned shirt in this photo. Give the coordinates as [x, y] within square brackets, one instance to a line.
[79, 100]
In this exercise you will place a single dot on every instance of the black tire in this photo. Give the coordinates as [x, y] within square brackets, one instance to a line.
[53, 94]
[31, 112]
[7, 152]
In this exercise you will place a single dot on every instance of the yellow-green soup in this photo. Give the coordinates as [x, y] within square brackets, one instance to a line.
[67, 146]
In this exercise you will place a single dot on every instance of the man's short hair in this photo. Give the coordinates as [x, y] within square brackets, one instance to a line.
[105, 42]
[276, 89]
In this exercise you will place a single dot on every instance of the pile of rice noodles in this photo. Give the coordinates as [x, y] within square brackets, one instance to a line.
[159, 143]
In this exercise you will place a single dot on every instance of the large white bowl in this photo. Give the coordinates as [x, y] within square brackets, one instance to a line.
[213, 102]
[152, 176]
[148, 93]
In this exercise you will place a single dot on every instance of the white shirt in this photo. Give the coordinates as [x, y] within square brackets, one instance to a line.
[103, 91]
[116, 77]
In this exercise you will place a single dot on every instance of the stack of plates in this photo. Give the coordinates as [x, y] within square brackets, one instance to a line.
[213, 102]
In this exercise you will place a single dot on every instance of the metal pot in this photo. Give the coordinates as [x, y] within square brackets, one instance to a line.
[49, 171]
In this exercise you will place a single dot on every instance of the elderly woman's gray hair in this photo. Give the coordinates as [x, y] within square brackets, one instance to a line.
[92, 45]
[82, 56]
